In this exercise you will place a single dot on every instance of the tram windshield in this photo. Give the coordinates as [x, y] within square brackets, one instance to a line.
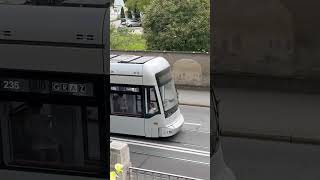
[168, 92]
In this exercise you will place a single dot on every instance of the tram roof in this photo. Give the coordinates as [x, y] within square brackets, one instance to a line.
[133, 65]
[130, 59]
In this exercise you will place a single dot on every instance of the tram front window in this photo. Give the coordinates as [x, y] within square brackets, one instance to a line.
[47, 134]
[169, 95]
[168, 92]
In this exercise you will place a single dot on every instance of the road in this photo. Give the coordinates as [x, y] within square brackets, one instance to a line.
[265, 160]
[186, 153]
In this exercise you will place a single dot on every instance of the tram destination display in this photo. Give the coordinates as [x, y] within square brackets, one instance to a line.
[76, 89]
[46, 87]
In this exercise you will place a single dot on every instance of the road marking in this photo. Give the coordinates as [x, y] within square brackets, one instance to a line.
[193, 145]
[175, 158]
[164, 147]
[197, 131]
[194, 124]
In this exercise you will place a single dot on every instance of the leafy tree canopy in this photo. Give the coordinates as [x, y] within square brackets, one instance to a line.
[178, 25]
[137, 5]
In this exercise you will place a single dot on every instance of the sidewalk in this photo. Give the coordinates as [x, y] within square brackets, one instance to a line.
[194, 97]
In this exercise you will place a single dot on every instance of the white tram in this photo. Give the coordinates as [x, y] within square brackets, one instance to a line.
[143, 97]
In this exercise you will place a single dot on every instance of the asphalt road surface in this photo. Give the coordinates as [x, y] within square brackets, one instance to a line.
[186, 153]
[264, 160]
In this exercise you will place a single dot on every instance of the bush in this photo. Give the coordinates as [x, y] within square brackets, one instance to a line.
[178, 25]
[124, 39]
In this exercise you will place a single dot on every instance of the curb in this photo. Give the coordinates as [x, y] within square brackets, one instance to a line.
[288, 139]
[195, 88]
[197, 105]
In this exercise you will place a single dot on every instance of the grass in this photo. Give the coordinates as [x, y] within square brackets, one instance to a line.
[123, 39]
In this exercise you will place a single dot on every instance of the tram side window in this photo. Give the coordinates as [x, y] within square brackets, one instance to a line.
[42, 133]
[152, 107]
[126, 100]
[93, 133]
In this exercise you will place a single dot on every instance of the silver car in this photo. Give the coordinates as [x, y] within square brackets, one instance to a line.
[133, 23]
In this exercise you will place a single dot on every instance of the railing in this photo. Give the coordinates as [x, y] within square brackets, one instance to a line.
[144, 174]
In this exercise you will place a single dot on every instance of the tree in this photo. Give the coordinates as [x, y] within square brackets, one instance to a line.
[137, 14]
[122, 15]
[179, 25]
[129, 14]
[137, 5]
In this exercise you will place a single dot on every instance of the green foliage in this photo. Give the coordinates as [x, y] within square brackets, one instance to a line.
[137, 5]
[137, 14]
[178, 25]
[129, 14]
[124, 39]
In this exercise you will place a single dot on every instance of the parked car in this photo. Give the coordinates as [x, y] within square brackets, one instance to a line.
[133, 23]
[123, 21]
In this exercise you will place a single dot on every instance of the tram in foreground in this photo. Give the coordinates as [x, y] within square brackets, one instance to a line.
[143, 97]
[52, 88]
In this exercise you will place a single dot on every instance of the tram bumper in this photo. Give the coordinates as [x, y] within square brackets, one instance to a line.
[172, 129]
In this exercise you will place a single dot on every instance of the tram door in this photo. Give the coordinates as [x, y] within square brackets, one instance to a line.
[127, 115]
[53, 123]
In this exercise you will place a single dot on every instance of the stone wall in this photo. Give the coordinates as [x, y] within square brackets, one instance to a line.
[189, 69]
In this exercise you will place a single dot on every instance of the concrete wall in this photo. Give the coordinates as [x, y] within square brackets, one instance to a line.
[190, 69]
